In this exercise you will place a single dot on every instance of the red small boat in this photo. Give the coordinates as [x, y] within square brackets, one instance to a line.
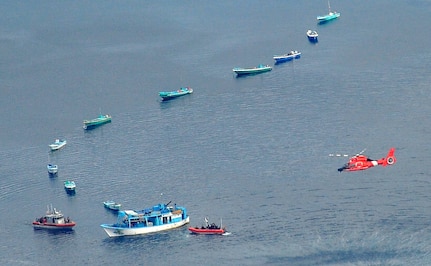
[53, 220]
[208, 229]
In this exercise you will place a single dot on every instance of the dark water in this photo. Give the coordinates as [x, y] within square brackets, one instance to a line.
[252, 151]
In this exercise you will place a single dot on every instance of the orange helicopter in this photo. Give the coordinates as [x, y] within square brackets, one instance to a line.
[362, 162]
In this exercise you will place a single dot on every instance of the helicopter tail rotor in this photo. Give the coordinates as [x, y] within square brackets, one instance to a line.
[390, 158]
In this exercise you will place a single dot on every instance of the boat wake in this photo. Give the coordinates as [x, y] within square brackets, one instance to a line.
[226, 234]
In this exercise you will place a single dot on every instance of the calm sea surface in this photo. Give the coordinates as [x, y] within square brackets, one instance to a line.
[253, 151]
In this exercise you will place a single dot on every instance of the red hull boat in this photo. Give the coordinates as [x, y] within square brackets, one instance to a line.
[208, 229]
[53, 220]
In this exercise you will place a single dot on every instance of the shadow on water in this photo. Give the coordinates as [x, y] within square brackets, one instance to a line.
[151, 241]
[52, 176]
[54, 232]
[70, 193]
[248, 75]
[170, 103]
[313, 42]
[326, 22]
[283, 62]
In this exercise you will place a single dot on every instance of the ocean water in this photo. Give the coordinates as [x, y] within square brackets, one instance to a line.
[252, 151]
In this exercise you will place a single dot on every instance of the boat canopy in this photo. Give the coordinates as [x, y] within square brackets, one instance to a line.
[131, 213]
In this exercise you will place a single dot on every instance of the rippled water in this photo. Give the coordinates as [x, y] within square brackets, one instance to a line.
[252, 151]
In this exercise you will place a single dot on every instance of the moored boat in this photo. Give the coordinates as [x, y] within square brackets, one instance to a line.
[102, 119]
[252, 70]
[53, 220]
[327, 17]
[112, 205]
[312, 35]
[58, 144]
[69, 186]
[287, 57]
[167, 95]
[52, 169]
[158, 218]
[208, 229]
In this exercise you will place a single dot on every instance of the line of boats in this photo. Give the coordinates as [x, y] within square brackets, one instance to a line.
[160, 217]
[261, 68]
[58, 144]
[157, 218]
[312, 37]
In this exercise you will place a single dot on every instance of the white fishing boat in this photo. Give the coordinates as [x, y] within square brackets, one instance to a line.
[52, 169]
[58, 144]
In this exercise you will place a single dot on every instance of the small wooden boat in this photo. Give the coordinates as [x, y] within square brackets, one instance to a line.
[102, 119]
[312, 35]
[112, 205]
[330, 16]
[287, 57]
[69, 186]
[252, 70]
[167, 95]
[53, 220]
[52, 169]
[208, 229]
[58, 144]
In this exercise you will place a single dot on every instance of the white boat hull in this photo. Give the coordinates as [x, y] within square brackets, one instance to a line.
[57, 145]
[52, 171]
[119, 231]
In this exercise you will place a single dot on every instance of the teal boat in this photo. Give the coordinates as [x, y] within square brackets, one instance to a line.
[330, 16]
[167, 95]
[252, 70]
[69, 186]
[102, 119]
[112, 205]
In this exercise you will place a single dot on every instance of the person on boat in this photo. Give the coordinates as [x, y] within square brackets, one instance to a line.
[207, 223]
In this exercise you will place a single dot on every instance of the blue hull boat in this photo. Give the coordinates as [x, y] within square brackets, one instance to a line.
[312, 35]
[52, 169]
[287, 57]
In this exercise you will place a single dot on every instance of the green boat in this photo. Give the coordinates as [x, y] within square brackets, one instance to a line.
[102, 119]
[330, 16]
[167, 95]
[69, 186]
[252, 70]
